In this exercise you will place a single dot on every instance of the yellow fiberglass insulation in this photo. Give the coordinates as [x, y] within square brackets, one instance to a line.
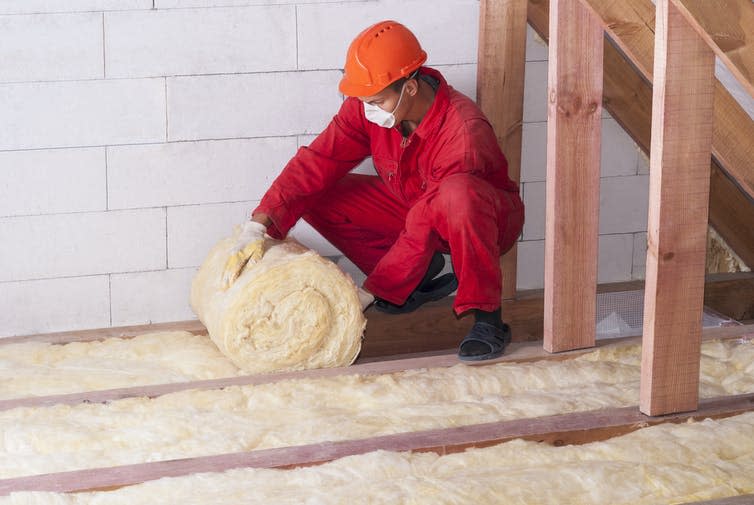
[306, 411]
[292, 310]
[663, 464]
[40, 368]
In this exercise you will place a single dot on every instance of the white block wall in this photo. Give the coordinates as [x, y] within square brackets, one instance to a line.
[135, 133]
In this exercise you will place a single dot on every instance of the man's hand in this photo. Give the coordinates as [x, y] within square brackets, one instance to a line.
[249, 248]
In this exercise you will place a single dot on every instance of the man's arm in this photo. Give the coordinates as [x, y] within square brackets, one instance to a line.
[314, 170]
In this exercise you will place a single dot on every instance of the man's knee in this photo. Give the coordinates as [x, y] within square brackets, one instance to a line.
[462, 195]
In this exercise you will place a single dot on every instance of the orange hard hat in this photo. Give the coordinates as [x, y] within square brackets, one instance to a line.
[379, 56]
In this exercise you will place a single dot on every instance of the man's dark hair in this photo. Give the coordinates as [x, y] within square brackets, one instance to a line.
[398, 85]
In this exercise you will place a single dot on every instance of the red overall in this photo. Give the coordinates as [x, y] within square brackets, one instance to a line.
[444, 188]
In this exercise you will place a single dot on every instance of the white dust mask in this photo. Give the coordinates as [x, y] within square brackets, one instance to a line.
[382, 117]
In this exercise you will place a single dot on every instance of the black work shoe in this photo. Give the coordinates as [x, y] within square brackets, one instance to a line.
[430, 289]
[484, 341]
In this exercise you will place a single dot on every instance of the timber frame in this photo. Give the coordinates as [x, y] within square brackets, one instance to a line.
[692, 118]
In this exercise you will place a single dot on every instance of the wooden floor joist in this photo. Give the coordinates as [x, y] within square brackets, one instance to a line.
[564, 429]
[517, 352]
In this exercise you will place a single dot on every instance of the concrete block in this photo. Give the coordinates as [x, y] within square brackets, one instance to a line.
[304, 233]
[52, 181]
[623, 204]
[461, 77]
[449, 35]
[530, 270]
[619, 153]
[82, 113]
[151, 297]
[534, 203]
[351, 269]
[41, 6]
[45, 47]
[49, 305]
[535, 92]
[642, 163]
[67, 245]
[615, 258]
[200, 41]
[257, 105]
[639, 268]
[193, 230]
[534, 152]
[170, 4]
[195, 172]
[536, 48]
[365, 167]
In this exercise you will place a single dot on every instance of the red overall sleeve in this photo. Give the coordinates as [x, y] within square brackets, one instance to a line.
[314, 169]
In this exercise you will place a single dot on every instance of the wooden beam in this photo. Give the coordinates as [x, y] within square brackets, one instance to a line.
[628, 97]
[731, 294]
[573, 176]
[63, 337]
[678, 200]
[500, 92]
[517, 352]
[727, 27]
[576, 428]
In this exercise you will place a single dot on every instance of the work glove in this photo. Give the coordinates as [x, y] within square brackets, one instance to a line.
[365, 297]
[249, 248]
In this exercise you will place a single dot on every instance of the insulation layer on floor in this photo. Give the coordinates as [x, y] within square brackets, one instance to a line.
[37, 369]
[296, 412]
[663, 464]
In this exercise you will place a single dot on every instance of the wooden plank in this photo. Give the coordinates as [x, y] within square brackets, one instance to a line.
[576, 428]
[678, 200]
[727, 26]
[731, 294]
[573, 176]
[500, 92]
[518, 352]
[64, 337]
[628, 97]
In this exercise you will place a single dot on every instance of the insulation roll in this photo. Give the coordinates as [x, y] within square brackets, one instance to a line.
[292, 310]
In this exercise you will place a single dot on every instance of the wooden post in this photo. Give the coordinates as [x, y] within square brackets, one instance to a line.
[573, 176]
[500, 92]
[682, 115]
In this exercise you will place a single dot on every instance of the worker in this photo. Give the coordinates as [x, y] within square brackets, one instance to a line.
[442, 187]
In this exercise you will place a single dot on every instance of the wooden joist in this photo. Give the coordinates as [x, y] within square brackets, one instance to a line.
[517, 352]
[576, 428]
[500, 92]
